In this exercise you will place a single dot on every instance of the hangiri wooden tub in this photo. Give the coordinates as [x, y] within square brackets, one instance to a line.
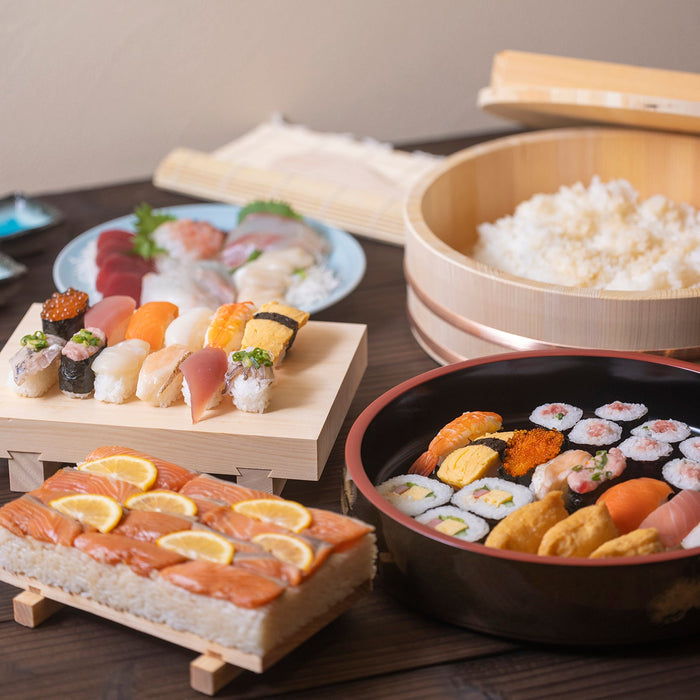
[460, 308]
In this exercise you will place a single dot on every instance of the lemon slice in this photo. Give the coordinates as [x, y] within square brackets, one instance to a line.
[198, 544]
[287, 514]
[286, 548]
[136, 470]
[162, 502]
[101, 512]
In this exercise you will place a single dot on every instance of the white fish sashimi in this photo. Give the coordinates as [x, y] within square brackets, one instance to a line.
[189, 328]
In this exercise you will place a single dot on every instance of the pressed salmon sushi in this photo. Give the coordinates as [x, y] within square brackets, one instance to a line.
[75, 481]
[267, 565]
[675, 518]
[226, 520]
[207, 486]
[150, 322]
[148, 526]
[334, 528]
[29, 516]
[629, 502]
[170, 476]
[142, 557]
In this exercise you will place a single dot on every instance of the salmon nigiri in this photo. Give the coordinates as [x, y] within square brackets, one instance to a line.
[675, 518]
[227, 325]
[629, 502]
[150, 321]
[204, 372]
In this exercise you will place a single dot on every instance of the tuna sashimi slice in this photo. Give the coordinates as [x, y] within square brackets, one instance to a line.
[204, 371]
[237, 585]
[112, 315]
[28, 516]
[112, 283]
[113, 248]
[114, 234]
[675, 518]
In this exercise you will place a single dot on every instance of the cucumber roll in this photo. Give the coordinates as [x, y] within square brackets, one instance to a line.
[76, 378]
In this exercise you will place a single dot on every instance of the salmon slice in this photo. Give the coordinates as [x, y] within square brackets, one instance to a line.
[74, 481]
[27, 516]
[629, 502]
[150, 321]
[170, 476]
[207, 486]
[335, 529]
[675, 518]
[148, 526]
[239, 586]
[204, 371]
[143, 557]
[269, 566]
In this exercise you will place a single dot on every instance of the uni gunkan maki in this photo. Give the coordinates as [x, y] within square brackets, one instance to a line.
[63, 313]
[76, 378]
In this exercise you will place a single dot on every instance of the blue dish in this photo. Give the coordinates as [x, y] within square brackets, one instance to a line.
[23, 221]
[346, 260]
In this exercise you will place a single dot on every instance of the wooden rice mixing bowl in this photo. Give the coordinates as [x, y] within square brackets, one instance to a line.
[460, 308]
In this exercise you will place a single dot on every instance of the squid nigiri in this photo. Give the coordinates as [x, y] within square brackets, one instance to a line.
[150, 322]
[204, 372]
[117, 370]
[190, 328]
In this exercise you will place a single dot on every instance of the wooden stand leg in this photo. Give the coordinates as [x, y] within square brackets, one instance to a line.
[209, 674]
[31, 609]
[260, 480]
[28, 472]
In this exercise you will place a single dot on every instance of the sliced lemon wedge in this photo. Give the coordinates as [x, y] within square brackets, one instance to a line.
[286, 548]
[162, 501]
[101, 512]
[198, 544]
[136, 470]
[288, 514]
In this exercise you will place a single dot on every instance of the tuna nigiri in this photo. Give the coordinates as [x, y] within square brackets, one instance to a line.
[117, 370]
[227, 325]
[150, 322]
[112, 315]
[160, 378]
[204, 372]
[675, 518]
[629, 502]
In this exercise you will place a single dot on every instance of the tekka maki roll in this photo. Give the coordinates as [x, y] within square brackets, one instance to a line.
[34, 367]
[63, 313]
[274, 328]
[557, 416]
[76, 378]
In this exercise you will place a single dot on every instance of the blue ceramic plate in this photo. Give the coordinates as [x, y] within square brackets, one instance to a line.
[74, 265]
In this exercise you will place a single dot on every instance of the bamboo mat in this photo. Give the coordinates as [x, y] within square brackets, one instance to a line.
[356, 185]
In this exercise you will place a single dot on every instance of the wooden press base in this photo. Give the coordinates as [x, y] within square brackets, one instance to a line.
[212, 670]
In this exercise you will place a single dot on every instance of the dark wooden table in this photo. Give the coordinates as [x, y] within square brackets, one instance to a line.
[377, 649]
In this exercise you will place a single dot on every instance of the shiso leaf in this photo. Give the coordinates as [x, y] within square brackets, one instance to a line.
[270, 206]
[147, 221]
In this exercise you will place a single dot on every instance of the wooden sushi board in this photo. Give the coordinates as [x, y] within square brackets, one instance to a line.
[291, 440]
[216, 666]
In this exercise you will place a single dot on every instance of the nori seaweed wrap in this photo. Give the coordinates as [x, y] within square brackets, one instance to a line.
[63, 314]
[75, 376]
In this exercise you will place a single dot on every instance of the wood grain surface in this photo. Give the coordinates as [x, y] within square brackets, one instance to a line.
[378, 648]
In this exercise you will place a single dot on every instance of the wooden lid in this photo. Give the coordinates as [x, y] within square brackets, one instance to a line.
[548, 91]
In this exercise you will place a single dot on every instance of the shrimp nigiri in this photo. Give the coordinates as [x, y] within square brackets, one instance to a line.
[226, 328]
[457, 433]
[150, 321]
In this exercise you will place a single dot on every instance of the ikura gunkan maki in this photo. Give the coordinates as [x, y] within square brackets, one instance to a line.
[76, 378]
[584, 482]
[63, 313]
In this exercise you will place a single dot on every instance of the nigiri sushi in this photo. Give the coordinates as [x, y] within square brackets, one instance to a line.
[189, 328]
[76, 378]
[117, 370]
[629, 502]
[204, 372]
[160, 378]
[34, 367]
[249, 379]
[63, 314]
[274, 328]
[111, 314]
[227, 326]
[675, 518]
[150, 322]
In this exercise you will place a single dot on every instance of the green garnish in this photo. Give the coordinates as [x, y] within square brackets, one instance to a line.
[146, 223]
[301, 271]
[261, 206]
[37, 341]
[253, 256]
[256, 357]
[559, 416]
[577, 468]
[86, 337]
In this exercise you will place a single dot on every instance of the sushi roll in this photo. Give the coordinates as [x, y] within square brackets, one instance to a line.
[492, 498]
[117, 370]
[63, 313]
[274, 328]
[160, 378]
[622, 412]
[595, 431]
[455, 522]
[586, 481]
[249, 379]
[34, 367]
[560, 416]
[76, 378]
[204, 373]
[227, 326]
[668, 430]
[682, 473]
[645, 454]
[189, 328]
[690, 448]
[413, 494]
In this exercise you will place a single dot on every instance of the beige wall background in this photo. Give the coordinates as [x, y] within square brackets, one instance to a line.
[96, 91]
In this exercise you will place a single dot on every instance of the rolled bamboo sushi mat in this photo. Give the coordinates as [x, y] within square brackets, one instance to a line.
[356, 185]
